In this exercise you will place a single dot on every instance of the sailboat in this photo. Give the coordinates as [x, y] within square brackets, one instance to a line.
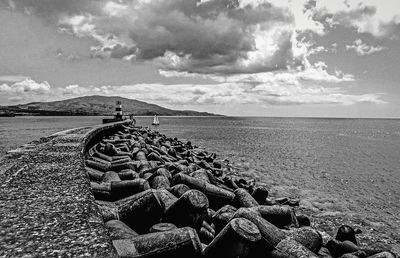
[155, 120]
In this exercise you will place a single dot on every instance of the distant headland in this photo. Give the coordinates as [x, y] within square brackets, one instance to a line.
[95, 106]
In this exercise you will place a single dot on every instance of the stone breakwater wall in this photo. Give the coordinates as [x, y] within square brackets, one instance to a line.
[123, 191]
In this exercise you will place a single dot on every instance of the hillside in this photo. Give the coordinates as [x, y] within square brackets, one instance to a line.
[97, 105]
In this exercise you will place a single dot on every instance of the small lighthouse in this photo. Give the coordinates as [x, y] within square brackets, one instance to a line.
[118, 110]
[117, 115]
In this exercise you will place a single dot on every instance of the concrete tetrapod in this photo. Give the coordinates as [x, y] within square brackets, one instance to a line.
[206, 233]
[122, 189]
[280, 216]
[128, 174]
[94, 174]
[166, 198]
[237, 239]
[201, 174]
[244, 198]
[222, 217]
[101, 191]
[338, 248]
[290, 248]
[269, 232]
[110, 176]
[306, 236]
[177, 243]
[139, 211]
[162, 227]
[260, 194]
[179, 189]
[189, 210]
[160, 182]
[217, 196]
[98, 165]
[119, 229]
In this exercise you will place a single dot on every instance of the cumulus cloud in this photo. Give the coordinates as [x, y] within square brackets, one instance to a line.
[76, 90]
[266, 88]
[379, 18]
[25, 86]
[311, 73]
[363, 49]
[211, 36]
[64, 56]
[222, 36]
[21, 88]
[215, 36]
[231, 93]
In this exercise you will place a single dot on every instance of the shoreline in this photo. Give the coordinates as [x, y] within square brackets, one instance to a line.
[258, 173]
[219, 115]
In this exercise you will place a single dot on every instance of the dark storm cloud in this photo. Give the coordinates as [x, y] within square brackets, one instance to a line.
[208, 36]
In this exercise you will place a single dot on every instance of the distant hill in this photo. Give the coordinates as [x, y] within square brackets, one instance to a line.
[96, 105]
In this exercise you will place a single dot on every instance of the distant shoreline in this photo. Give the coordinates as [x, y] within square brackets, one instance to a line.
[216, 115]
[149, 115]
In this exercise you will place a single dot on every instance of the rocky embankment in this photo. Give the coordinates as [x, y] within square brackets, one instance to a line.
[161, 197]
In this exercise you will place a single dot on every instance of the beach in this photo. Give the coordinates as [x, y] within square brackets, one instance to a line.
[344, 171]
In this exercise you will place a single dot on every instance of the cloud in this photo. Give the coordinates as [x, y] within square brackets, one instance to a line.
[311, 73]
[363, 49]
[228, 93]
[376, 17]
[63, 56]
[26, 86]
[260, 89]
[76, 90]
[200, 36]
[213, 36]
[22, 89]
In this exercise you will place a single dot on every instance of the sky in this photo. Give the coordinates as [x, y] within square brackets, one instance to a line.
[317, 58]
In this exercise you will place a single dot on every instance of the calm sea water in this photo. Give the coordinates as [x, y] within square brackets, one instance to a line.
[343, 170]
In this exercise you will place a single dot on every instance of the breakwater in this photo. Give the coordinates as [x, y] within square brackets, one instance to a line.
[138, 194]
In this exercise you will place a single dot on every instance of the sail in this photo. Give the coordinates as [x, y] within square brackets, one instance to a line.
[155, 121]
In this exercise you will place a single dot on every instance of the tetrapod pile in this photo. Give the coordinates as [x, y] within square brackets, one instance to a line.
[161, 197]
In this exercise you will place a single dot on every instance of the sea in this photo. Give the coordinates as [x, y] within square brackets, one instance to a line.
[343, 171]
